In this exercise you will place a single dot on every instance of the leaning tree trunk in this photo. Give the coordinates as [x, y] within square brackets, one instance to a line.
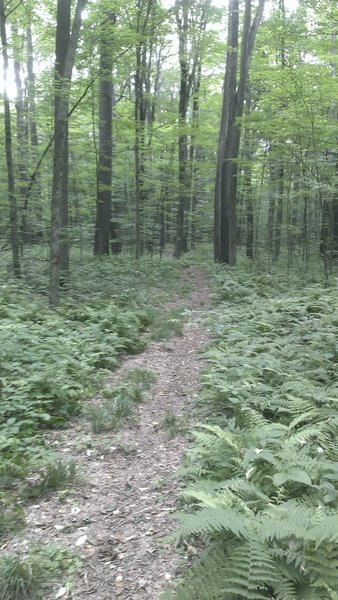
[13, 219]
[62, 90]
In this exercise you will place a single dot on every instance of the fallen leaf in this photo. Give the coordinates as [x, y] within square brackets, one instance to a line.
[81, 540]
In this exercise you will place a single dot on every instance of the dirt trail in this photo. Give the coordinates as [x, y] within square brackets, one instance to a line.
[119, 516]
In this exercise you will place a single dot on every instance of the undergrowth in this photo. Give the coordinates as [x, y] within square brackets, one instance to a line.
[28, 577]
[118, 403]
[52, 360]
[262, 476]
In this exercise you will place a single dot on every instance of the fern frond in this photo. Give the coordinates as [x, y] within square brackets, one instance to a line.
[309, 416]
[205, 578]
[225, 498]
[320, 561]
[208, 521]
[285, 590]
[285, 521]
[247, 490]
[325, 532]
[217, 432]
[250, 571]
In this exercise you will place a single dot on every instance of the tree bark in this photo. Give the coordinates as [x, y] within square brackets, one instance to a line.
[279, 212]
[184, 95]
[225, 247]
[104, 167]
[187, 78]
[145, 10]
[61, 46]
[35, 232]
[22, 144]
[229, 91]
[62, 90]
[13, 218]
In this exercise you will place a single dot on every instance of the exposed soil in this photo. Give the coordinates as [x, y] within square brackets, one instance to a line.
[118, 516]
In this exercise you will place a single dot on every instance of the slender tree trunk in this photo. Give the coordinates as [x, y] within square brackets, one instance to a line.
[115, 233]
[187, 78]
[184, 93]
[62, 90]
[334, 117]
[36, 211]
[280, 168]
[279, 212]
[13, 219]
[194, 153]
[139, 162]
[22, 144]
[104, 170]
[248, 195]
[33, 130]
[145, 11]
[61, 46]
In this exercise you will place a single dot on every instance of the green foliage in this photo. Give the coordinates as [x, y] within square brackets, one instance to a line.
[165, 325]
[111, 413]
[172, 424]
[118, 403]
[11, 517]
[56, 475]
[28, 577]
[141, 376]
[262, 496]
[50, 361]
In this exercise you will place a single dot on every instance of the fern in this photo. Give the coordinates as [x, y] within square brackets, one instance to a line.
[265, 468]
[251, 572]
[210, 521]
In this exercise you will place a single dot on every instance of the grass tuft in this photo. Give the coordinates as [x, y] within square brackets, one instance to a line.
[166, 325]
[118, 403]
[28, 577]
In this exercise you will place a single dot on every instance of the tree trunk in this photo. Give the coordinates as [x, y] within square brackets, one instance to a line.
[30, 234]
[184, 93]
[195, 153]
[139, 162]
[62, 90]
[145, 11]
[13, 219]
[229, 91]
[104, 167]
[225, 247]
[22, 145]
[187, 78]
[61, 46]
[279, 212]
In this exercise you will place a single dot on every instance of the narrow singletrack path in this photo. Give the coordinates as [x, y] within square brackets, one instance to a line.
[117, 518]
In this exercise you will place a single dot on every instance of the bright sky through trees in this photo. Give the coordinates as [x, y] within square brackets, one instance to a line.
[11, 88]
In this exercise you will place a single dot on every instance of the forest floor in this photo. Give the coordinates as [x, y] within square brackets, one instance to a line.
[117, 517]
